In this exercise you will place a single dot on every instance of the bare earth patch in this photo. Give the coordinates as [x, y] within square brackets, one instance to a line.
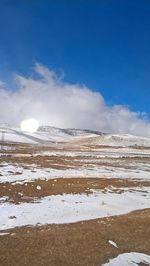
[83, 243]
[25, 192]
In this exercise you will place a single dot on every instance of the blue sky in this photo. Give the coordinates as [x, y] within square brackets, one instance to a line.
[103, 44]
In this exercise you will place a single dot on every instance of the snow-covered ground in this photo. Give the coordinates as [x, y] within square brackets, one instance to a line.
[68, 208]
[99, 153]
[12, 173]
[129, 259]
[73, 160]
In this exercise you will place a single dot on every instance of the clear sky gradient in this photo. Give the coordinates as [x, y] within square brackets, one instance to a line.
[104, 44]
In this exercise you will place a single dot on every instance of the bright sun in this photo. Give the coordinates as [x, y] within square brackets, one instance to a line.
[29, 125]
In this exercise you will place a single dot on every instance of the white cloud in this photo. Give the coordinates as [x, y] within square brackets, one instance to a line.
[54, 102]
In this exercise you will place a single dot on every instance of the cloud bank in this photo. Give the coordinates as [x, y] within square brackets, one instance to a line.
[49, 99]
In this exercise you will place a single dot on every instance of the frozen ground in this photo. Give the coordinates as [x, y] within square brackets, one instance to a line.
[76, 162]
[28, 171]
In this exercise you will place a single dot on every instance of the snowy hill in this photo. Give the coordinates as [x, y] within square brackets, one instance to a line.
[49, 135]
[117, 140]
[45, 134]
[68, 131]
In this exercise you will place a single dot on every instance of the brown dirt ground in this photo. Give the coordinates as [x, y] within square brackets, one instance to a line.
[68, 162]
[27, 191]
[83, 243]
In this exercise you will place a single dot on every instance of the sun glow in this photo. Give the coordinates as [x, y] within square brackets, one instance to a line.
[29, 125]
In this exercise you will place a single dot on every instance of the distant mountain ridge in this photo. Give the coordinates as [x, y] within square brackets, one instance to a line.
[50, 135]
[69, 131]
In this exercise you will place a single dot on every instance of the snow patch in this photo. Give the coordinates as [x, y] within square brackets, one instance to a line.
[69, 208]
[126, 259]
[13, 173]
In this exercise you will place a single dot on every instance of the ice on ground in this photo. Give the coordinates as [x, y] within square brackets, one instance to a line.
[69, 208]
[126, 259]
[112, 243]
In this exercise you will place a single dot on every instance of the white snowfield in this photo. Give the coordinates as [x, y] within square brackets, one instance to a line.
[69, 208]
[129, 259]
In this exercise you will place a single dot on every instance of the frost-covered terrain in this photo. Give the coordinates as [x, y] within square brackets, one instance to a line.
[75, 177]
